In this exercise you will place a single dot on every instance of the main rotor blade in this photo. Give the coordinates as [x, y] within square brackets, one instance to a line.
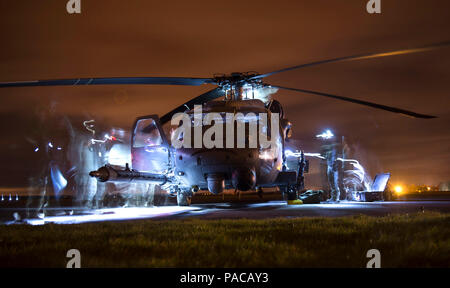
[205, 97]
[360, 57]
[112, 81]
[361, 102]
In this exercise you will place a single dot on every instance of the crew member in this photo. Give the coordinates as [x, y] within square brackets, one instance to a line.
[331, 150]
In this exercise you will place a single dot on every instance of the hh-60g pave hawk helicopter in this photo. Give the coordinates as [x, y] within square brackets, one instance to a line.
[185, 170]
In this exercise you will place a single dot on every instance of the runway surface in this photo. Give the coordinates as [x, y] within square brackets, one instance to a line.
[270, 209]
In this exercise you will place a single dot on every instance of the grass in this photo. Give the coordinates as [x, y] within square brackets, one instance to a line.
[419, 240]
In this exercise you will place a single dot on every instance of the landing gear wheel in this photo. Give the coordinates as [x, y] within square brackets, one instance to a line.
[111, 200]
[291, 193]
[260, 193]
[183, 199]
[159, 196]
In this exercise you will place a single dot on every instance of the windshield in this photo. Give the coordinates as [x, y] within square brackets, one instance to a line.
[146, 134]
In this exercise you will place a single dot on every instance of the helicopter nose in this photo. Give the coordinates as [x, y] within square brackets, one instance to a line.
[244, 179]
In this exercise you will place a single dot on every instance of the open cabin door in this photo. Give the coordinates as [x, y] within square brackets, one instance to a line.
[149, 146]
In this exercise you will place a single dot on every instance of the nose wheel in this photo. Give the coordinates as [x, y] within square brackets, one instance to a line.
[184, 198]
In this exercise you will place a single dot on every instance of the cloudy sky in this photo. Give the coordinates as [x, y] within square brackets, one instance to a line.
[40, 40]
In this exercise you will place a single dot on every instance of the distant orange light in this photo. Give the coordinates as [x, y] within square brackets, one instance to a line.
[428, 188]
[398, 189]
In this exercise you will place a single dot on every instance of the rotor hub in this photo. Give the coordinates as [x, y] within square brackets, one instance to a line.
[238, 86]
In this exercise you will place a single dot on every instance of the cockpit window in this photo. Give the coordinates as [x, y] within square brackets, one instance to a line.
[146, 134]
[275, 107]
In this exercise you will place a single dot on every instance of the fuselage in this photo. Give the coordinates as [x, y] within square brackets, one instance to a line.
[227, 161]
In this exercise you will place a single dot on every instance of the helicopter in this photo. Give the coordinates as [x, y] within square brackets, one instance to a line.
[185, 170]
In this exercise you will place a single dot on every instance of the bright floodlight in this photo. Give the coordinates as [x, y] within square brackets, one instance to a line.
[326, 135]
[398, 189]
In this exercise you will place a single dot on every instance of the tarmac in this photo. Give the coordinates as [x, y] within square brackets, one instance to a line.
[227, 210]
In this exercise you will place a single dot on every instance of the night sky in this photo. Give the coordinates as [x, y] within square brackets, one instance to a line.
[40, 40]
